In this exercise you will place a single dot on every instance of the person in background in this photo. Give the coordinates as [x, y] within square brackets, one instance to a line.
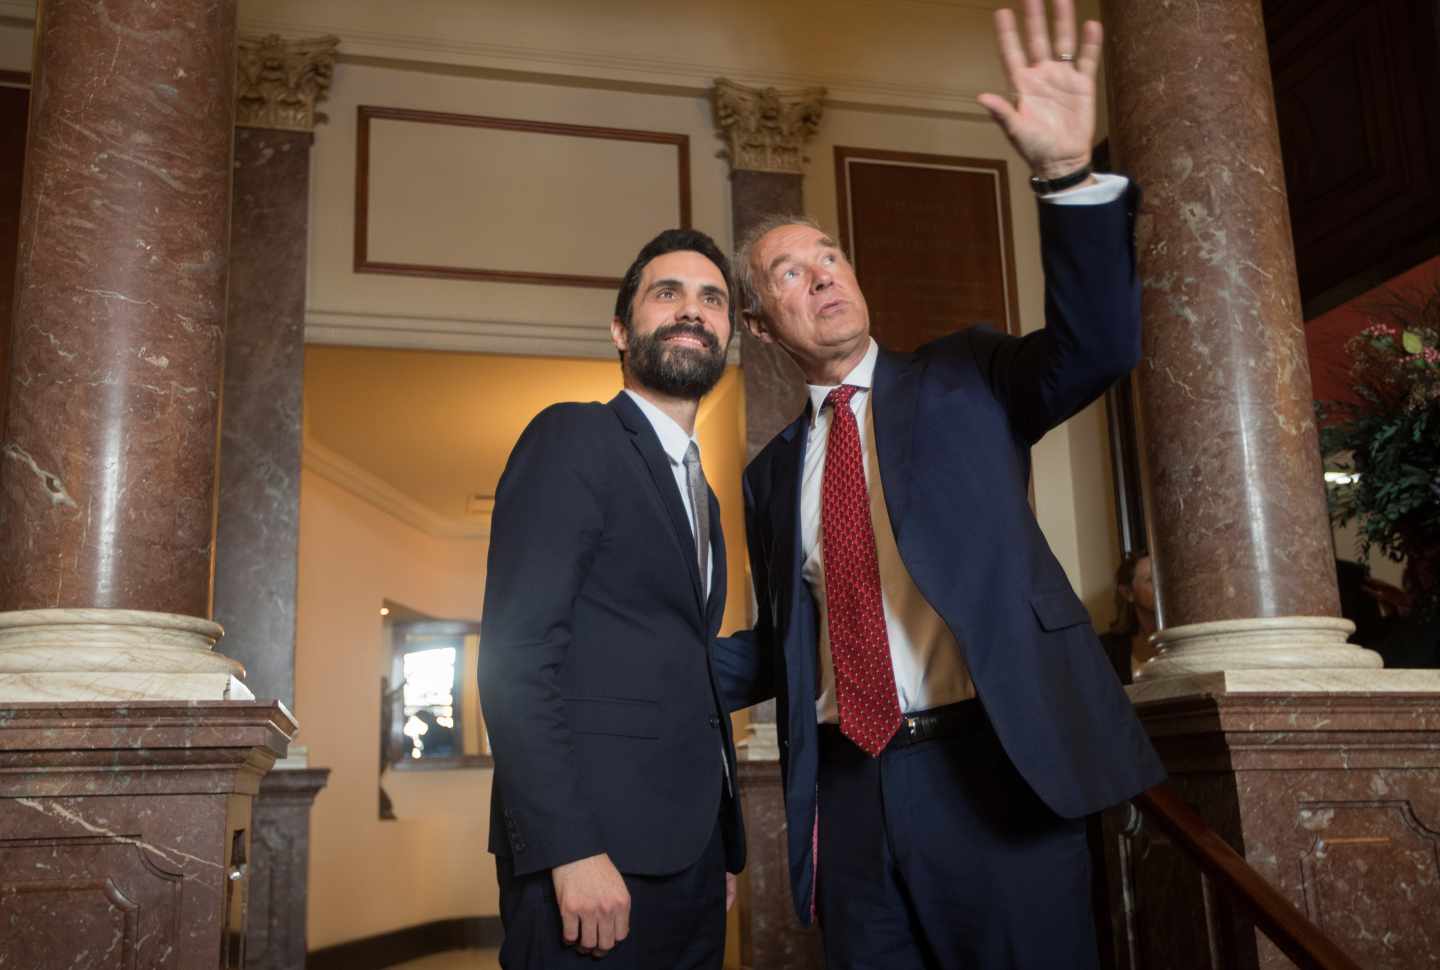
[1127, 642]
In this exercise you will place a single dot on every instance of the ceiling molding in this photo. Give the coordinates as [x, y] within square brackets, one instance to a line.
[675, 74]
[339, 470]
[522, 338]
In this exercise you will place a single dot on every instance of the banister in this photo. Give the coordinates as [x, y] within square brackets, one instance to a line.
[1298, 938]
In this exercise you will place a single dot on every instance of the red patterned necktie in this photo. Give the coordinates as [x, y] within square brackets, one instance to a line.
[864, 678]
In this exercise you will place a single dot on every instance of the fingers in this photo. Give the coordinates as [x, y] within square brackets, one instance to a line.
[1064, 28]
[570, 926]
[1037, 34]
[622, 922]
[1007, 38]
[730, 884]
[1092, 39]
[604, 935]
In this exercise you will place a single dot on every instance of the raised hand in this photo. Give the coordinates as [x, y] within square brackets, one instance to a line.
[1052, 121]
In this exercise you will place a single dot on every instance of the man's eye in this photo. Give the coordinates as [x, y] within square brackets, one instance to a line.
[664, 294]
[714, 300]
[828, 259]
[789, 274]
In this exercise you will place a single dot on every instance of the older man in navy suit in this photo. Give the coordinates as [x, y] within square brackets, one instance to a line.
[947, 717]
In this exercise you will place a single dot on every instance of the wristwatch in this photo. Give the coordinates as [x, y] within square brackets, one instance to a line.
[1047, 186]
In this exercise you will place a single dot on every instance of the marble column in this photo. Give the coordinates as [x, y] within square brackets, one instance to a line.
[258, 510]
[1239, 533]
[1316, 767]
[108, 456]
[130, 754]
[765, 131]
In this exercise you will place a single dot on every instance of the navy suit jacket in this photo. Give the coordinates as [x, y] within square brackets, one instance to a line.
[954, 423]
[604, 718]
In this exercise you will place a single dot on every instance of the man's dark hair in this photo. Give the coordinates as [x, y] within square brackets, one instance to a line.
[672, 241]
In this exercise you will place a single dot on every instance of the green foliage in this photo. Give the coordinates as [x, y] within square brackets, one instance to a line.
[1389, 437]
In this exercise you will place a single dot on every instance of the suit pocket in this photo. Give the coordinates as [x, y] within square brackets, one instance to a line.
[1058, 609]
[614, 716]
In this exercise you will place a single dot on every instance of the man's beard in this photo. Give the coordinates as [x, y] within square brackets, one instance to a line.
[678, 370]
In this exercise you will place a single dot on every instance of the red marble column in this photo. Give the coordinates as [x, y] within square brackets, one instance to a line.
[1236, 496]
[106, 492]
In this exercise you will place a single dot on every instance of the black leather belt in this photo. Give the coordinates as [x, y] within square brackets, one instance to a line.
[950, 721]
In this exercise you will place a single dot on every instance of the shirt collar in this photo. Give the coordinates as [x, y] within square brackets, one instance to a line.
[673, 439]
[862, 375]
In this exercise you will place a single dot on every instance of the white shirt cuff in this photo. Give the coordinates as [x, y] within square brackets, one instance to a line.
[1107, 188]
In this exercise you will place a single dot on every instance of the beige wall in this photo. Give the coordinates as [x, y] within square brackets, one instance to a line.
[369, 876]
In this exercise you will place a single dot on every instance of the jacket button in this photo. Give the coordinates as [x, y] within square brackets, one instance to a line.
[714, 721]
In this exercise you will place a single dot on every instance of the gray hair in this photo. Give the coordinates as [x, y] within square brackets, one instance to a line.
[747, 289]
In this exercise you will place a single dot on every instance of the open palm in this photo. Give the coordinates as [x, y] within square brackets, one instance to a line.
[1052, 120]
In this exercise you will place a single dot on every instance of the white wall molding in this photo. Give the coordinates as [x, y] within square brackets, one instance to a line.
[339, 470]
[523, 338]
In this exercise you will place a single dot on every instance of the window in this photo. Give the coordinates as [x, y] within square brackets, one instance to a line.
[431, 714]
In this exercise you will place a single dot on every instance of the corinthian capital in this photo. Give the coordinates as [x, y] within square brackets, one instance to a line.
[765, 129]
[280, 81]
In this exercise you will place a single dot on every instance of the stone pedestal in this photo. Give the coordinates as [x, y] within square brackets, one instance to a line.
[1333, 797]
[280, 856]
[771, 937]
[125, 831]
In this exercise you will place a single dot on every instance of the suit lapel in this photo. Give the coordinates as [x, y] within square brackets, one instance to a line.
[643, 437]
[893, 411]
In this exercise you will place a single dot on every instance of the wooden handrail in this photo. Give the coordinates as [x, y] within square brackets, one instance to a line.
[1300, 940]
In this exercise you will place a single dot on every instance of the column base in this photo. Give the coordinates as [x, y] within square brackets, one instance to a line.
[1260, 643]
[1284, 680]
[113, 655]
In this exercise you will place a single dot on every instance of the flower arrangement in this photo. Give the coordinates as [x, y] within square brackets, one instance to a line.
[1387, 441]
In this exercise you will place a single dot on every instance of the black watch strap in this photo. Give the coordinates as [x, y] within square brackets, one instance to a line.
[1047, 186]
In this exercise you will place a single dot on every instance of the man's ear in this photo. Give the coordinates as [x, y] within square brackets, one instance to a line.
[619, 335]
[756, 325]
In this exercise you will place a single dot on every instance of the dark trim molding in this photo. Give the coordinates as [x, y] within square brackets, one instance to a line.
[15, 78]
[444, 764]
[410, 943]
[363, 263]
[844, 153]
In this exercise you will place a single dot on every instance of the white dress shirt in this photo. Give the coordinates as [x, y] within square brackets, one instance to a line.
[929, 669]
[675, 442]
[924, 653]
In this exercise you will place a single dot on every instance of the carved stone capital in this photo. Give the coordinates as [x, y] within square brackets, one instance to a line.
[765, 129]
[280, 81]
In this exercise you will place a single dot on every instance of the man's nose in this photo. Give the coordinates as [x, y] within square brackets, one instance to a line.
[688, 310]
[821, 281]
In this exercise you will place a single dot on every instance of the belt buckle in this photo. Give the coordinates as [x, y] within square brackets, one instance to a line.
[912, 727]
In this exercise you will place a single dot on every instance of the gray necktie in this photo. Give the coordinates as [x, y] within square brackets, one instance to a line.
[700, 502]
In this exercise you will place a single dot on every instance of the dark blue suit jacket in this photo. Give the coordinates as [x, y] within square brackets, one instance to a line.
[604, 717]
[954, 424]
